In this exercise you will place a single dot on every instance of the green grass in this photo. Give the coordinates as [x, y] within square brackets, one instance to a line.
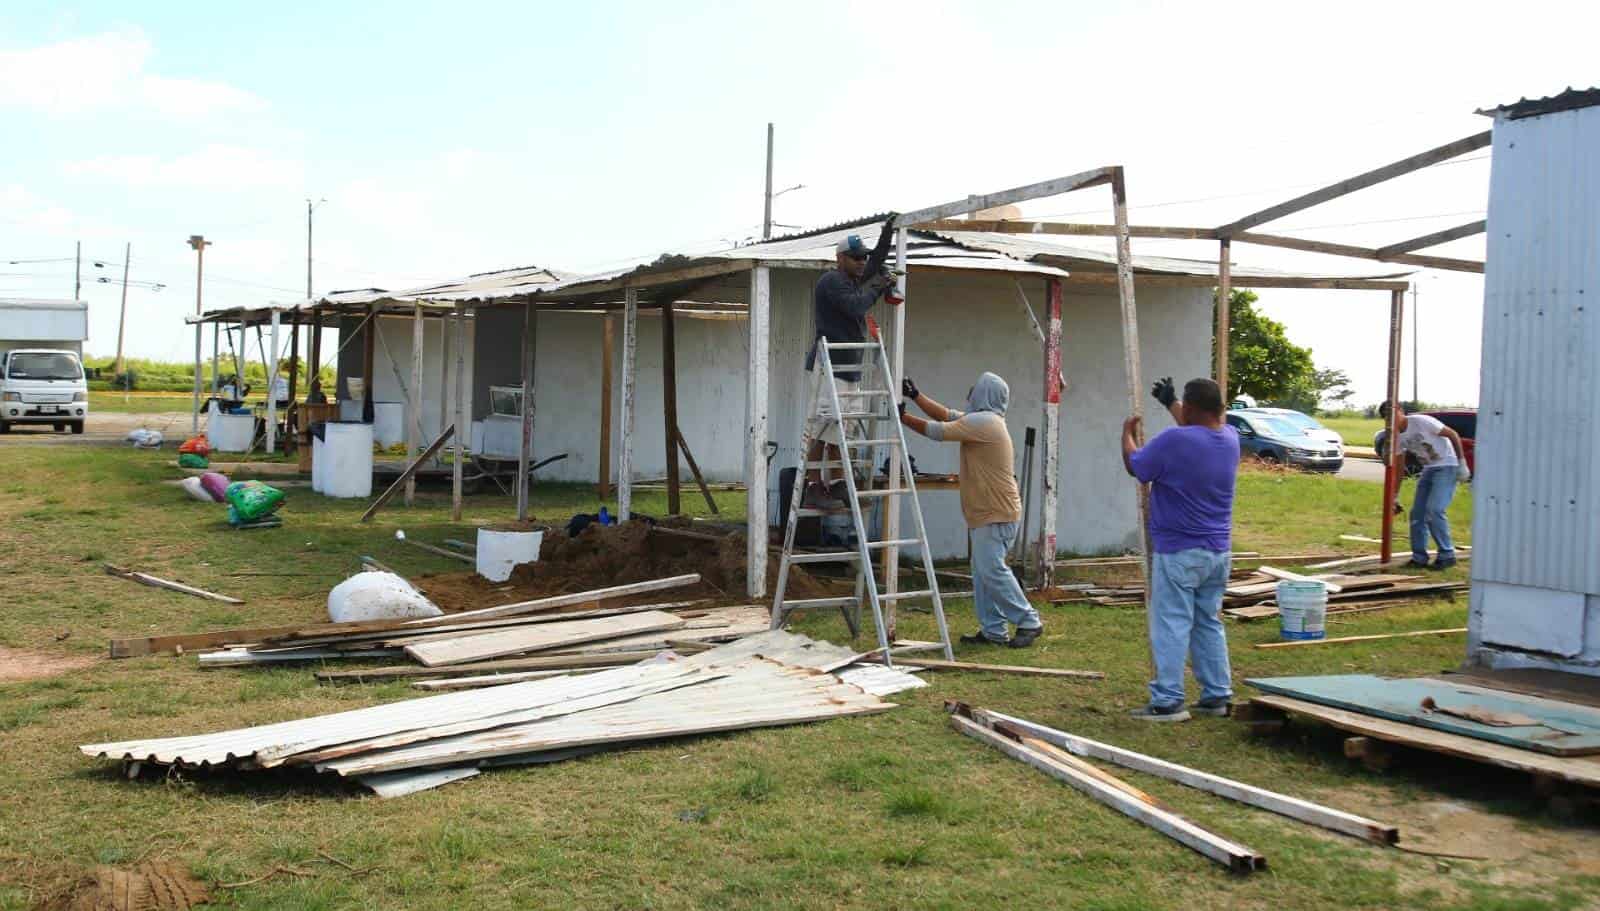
[892, 810]
[139, 402]
[1356, 430]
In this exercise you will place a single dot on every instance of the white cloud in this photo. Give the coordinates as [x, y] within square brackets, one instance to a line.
[214, 166]
[81, 75]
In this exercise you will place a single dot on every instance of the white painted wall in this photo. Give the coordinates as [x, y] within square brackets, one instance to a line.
[393, 353]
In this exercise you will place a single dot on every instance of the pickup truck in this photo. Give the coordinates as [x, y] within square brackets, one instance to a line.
[42, 386]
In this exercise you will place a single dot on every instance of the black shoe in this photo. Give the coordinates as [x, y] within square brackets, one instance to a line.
[1159, 713]
[979, 638]
[1442, 563]
[1219, 708]
[817, 497]
[1025, 637]
[1414, 563]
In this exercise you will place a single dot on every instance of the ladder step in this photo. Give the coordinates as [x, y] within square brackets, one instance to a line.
[806, 512]
[828, 463]
[848, 415]
[897, 542]
[832, 556]
[885, 492]
[805, 603]
[846, 393]
[900, 596]
[887, 441]
[851, 346]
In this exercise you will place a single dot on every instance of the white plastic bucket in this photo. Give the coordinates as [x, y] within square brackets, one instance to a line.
[346, 460]
[500, 552]
[230, 432]
[1302, 609]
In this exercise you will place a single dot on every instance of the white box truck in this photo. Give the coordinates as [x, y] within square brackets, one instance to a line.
[41, 369]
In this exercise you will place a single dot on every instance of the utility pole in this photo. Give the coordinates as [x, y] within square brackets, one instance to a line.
[77, 273]
[1416, 335]
[309, 206]
[766, 216]
[199, 243]
[122, 319]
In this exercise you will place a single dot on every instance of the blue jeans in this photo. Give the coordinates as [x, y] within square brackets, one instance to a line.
[1186, 619]
[1436, 487]
[995, 593]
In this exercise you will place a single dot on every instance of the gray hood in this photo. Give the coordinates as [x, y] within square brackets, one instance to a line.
[989, 393]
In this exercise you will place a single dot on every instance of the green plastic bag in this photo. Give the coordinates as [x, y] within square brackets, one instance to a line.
[252, 500]
[192, 460]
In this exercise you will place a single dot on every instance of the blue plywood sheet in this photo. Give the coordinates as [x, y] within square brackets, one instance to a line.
[1557, 728]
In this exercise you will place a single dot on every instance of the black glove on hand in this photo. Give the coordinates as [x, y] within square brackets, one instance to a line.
[909, 389]
[1164, 392]
[902, 409]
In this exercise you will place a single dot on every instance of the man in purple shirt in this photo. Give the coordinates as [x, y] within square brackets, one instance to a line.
[1191, 470]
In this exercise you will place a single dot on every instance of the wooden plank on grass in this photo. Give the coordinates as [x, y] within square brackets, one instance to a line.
[157, 582]
[598, 594]
[515, 641]
[1584, 770]
[540, 662]
[1234, 856]
[1292, 807]
[1284, 575]
[1020, 670]
[178, 643]
[1342, 639]
[410, 470]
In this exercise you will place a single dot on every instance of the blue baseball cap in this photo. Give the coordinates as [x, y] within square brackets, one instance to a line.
[852, 246]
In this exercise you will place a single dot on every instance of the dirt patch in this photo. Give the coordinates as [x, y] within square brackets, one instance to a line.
[154, 886]
[17, 665]
[607, 555]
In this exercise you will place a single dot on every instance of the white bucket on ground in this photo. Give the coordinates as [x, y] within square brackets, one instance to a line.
[377, 596]
[1302, 609]
[499, 552]
[346, 460]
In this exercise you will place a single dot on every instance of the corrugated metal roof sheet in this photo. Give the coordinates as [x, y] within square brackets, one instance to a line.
[1535, 520]
[1569, 100]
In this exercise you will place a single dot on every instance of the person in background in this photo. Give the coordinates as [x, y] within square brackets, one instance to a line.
[839, 305]
[1191, 470]
[1444, 463]
[989, 502]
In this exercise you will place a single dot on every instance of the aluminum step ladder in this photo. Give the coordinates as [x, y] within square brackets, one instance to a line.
[859, 415]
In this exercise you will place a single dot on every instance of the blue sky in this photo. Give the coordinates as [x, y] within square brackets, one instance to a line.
[458, 138]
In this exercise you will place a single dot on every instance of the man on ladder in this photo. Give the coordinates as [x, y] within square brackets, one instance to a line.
[989, 502]
[840, 302]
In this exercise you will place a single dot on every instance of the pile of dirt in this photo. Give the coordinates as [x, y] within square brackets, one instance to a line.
[607, 555]
[153, 886]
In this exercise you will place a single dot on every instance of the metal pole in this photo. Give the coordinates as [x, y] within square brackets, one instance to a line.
[1393, 466]
[122, 319]
[1416, 356]
[766, 215]
[77, 273]
[1224, 312]
[199, 244]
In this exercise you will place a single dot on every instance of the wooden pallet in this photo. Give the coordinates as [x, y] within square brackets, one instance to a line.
[1266, 713]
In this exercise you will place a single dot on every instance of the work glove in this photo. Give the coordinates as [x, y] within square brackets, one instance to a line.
[1164, 392]
[902, 410]
[908, 388]
[1398, 509]
[1463, 472]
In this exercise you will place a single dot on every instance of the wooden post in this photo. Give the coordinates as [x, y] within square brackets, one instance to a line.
[216, 356]
[755, 452]
[272, 400]
[462, 427]
[369, 343]
[294, 359]
[1050, 447]
[1130, 344]
[313, 376]
[607, 335]
[1394, 466]
[630, 350]
[1224, 313]
[530, 346]
[414, 399]
[891, 505]
[444, 375]
[669, 402]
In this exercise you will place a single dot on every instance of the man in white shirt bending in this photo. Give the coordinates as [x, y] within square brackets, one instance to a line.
[1444, 463]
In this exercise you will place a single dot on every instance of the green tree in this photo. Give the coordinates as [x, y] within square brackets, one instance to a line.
[1262, 362]
[1308, 393]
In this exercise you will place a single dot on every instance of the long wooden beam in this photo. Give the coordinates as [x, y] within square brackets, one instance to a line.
[1434, 239]
[409, 474]
[1359, 182]
[1056, 187]
[1171, 232]
[1106, 279]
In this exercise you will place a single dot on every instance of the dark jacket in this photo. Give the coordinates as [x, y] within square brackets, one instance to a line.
[839, 312]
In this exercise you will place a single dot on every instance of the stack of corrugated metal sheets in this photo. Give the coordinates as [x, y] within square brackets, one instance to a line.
[774, 678]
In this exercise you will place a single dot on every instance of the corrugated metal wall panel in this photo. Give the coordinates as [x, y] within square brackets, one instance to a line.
[1536, 498]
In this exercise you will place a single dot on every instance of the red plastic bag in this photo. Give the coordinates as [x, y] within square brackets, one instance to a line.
[198, 445]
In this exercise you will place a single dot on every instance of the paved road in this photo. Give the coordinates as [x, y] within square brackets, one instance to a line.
[103, 428]
[1362, 470]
